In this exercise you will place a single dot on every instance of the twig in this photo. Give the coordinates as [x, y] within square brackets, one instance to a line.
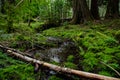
[111, 68]
[19, 3]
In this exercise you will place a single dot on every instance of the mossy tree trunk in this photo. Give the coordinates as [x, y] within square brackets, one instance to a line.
[112, 9]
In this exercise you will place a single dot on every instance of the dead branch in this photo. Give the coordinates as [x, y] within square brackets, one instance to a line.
[111, 68]
[4, 48]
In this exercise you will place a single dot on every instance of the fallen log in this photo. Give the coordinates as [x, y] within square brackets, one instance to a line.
[4, 48]
[60, 69]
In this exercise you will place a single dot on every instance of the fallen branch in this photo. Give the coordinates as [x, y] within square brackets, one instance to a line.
[111, 68]
[4, 48]
[60, 69]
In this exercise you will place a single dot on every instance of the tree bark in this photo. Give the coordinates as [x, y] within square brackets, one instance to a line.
[112, 9]
[94, 9]
[81, 12]
[85, 11]
[77, 14]
[10, 15]
[3, 6]
[58, 68]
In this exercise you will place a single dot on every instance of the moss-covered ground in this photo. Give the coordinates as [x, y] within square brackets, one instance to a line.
[12, 69]
[97, 43]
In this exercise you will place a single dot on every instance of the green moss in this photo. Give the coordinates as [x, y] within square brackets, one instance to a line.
[54, 78]
[62, 32]
[96, 42]
[70, 65]
[14, 69]
[17, 72]
[117, 35]
[111, 50]
[70, 58]
[6, 61]
[105, 73]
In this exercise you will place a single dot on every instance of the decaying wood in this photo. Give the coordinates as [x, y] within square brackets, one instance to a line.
[60, 69]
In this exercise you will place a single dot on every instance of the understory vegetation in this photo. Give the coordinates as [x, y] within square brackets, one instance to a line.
[98, 48]
[13, 69]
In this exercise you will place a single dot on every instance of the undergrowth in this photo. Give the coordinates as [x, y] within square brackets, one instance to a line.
[11, 69]
[97, 43]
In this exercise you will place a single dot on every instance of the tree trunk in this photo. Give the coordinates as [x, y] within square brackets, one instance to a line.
[81, 12]
[86, 15]
[77, 14]
[3, 6]
[112, 9]
[94, 9]
[10, 14]
[56, 68]
[29, 17]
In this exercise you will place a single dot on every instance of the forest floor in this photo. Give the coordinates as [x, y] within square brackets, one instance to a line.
[95, 43]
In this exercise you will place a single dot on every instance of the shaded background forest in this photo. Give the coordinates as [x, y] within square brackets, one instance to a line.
[55, 12]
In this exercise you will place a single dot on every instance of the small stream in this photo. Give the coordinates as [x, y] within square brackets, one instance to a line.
[52, 54]
[57, 54]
